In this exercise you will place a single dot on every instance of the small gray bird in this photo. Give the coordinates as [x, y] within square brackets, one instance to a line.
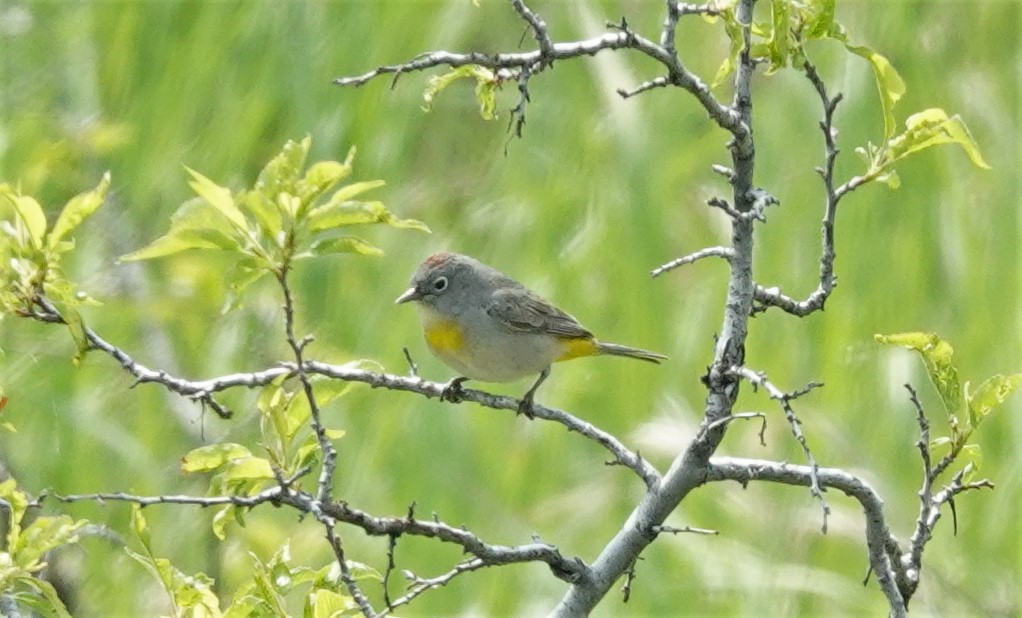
[488, 327]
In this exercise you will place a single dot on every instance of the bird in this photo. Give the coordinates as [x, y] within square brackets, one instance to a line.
[490, 328]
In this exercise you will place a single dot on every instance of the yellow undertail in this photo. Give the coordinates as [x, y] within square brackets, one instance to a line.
[574, 348]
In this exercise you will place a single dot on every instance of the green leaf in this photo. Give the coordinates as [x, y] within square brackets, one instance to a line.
[219, 198]
[29, 213]
[486, 83]
[43, 598]
[268, 216]
[989, 395]
[249, 469]
[43, 535]
[344, 244]
[333, 215]
[77, 210]
[348, 192]
[307, 454]
[195, 225]
[486, 95]
[281, 174]
[819, 21]
[244, 273]
[933, 127]
[779, 44]
[75, 325]
[191, 595]
[329, 604]
[320, 177]
[212, 456]
[222, 518]
[888, 81]
[733, 29]
[140, 527]
[936, 354]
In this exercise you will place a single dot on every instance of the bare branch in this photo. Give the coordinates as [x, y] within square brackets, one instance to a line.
[688, 468]
[929, 503]
[537, 60]
[268, 495]
[656, 82]
[539, 28]
[759, 379]
[570, 570]
[884, 556]
[719, 252]
[685, 530]
[773, 297]
[202, 390]
[331, 513]
[727, 420]
[349, 581]
[420, 585]
[622, 454]
[142, 373]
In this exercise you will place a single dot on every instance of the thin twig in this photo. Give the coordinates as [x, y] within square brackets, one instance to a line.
[349, 581]
[656, 82]
[142, 374]
[759, 379]
[727, 420]
[420, 585]
[684, 530]
[720, 252]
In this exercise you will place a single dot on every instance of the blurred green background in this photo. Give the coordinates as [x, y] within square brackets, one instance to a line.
[597, 193]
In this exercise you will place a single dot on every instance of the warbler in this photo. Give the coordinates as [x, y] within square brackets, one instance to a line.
[488, 327]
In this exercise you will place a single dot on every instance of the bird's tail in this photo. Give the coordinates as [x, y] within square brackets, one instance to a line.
[623, 350]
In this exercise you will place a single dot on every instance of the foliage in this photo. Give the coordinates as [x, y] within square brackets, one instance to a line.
[782, 43]
[487, 85]
[263, 595]
[31, 253]
[26, 545]
[965, 408]
[286, 216]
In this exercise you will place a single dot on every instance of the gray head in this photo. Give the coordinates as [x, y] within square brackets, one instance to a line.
[446, 277]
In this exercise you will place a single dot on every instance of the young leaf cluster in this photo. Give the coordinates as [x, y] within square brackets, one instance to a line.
[31, 252]
[781, 43]
[290, 446]
[487, 85]
[264, 596]
[25, 547]
[965, 408]
[292, 212]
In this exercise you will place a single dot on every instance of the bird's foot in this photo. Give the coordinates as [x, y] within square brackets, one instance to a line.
[453, 391]
[525, 407]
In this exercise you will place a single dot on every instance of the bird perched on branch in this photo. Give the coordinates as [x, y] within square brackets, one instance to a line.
[488, 327]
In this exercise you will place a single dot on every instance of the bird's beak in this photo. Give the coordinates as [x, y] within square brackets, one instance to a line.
[409, 294]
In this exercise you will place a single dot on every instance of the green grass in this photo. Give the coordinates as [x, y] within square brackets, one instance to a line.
[597, 193]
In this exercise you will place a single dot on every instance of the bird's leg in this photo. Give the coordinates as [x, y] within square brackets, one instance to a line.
[525, 406]
[452, 391]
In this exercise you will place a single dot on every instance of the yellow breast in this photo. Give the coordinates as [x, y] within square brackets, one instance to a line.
[443, 336]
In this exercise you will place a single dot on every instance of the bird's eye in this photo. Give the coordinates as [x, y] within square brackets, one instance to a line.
[440, 284]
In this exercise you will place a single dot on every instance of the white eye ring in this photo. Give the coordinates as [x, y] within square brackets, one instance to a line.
[440, 284]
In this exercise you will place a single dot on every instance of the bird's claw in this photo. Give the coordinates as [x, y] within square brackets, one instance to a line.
[453, 391]
[525, 407]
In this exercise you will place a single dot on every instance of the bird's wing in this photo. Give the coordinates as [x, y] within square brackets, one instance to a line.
[520, 310]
